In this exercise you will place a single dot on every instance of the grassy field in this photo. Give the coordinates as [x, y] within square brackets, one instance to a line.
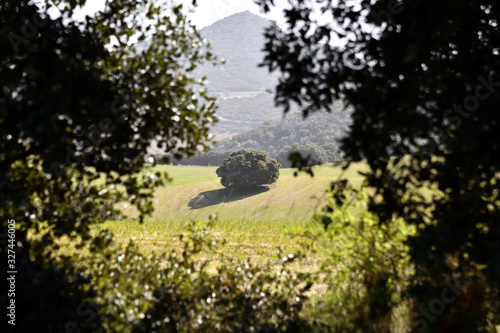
[195, 193]
[255, 224]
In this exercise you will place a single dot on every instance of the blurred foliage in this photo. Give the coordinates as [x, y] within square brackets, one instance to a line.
[367, 271]
[248, 168]
[50, 296]
[422, 79]
[180, 292]
[81, 101]
[109, 287]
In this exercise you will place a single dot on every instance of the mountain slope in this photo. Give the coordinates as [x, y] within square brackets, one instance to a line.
[239, 40]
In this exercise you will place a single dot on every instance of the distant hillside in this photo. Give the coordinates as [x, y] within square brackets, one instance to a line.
[318, 137]
[239, 40]
[237, 115]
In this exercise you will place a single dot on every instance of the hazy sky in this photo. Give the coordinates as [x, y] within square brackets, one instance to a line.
[207, 11]
[210, 11]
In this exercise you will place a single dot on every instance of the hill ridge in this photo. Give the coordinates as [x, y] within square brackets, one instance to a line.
[240, 15]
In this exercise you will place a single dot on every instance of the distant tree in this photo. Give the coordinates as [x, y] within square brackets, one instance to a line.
[248, 168]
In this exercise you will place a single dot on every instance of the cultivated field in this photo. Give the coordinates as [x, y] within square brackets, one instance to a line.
[255, 224]
[195, 193]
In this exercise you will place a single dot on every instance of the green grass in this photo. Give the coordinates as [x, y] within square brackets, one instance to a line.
[252, 240]
[182, 175]
[255, 225]
[196, 193]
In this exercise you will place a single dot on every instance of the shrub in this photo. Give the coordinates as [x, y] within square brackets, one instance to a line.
[367, 268]
[180, 292]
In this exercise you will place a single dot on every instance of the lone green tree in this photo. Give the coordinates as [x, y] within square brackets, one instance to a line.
[248, 168]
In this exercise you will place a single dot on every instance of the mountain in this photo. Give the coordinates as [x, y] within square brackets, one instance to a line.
[239, 40]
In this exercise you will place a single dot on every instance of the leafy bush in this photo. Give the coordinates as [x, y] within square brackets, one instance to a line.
[49, 296]
[182, 292]
[248, 168]
[367, 269]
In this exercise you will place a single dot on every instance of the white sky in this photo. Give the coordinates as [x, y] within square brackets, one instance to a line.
[210, 11]
[207, 11]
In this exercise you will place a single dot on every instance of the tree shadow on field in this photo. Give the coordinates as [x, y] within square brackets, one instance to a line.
[215, 197]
